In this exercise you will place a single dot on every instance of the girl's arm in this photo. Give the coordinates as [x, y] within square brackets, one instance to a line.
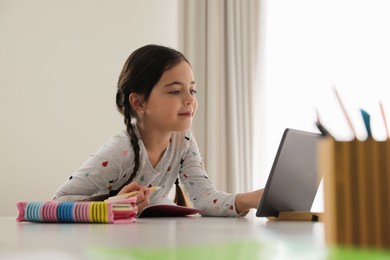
[203, 193]
[106, 170]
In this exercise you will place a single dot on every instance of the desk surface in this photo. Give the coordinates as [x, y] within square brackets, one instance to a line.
[86, 241]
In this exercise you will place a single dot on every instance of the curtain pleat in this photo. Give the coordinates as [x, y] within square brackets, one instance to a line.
[219, 37]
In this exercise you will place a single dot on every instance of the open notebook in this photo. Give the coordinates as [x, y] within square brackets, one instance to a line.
[167, 208]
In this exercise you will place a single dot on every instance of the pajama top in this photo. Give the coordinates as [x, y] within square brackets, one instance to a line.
[110, 167]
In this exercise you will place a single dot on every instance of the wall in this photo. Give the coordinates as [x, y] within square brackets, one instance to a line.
[59, 65]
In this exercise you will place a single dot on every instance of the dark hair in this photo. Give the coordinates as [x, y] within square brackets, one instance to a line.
[140, 73]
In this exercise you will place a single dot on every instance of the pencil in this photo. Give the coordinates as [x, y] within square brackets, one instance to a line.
[320, 126]
[131, 194]
[366, 120]
[345, 113]
[384, 119]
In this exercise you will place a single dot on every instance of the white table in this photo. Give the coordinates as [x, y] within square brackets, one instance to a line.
[277, 240]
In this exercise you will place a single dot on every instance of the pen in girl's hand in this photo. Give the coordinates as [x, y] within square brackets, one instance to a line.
[131, 194]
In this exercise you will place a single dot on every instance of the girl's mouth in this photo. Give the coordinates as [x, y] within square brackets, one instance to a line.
[186, 114]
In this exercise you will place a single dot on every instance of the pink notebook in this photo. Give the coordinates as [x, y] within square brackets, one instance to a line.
[164, 210]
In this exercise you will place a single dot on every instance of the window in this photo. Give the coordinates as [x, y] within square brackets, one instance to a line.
[310, 46]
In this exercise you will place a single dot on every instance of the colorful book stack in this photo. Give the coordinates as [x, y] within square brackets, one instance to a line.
[116, 211]
[356, 191]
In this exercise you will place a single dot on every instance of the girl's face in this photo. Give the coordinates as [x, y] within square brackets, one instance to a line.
[172, 102]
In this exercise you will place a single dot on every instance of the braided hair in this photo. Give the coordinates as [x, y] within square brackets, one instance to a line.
[140, 73]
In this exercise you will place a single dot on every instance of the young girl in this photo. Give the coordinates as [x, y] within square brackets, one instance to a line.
[156, 95]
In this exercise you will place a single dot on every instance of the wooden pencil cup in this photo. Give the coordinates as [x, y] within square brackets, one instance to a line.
[356, 192]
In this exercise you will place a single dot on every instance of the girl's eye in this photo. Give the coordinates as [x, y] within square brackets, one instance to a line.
[177, 92]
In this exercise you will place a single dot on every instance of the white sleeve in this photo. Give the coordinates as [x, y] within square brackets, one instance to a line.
[107, 169]
[201, 190]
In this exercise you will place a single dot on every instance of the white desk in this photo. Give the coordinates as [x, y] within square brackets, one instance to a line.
[278, 240]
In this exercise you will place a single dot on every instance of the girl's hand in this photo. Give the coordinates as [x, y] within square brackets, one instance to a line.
[143, 196]
[248, 200]
[133, 186]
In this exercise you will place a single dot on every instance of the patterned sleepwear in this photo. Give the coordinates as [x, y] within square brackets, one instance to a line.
[110, 167]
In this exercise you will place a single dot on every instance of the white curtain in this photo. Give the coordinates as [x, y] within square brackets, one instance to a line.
[220, 39]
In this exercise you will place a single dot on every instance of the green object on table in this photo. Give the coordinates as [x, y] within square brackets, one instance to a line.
[235, 250]
[245, 250]
[344, 253]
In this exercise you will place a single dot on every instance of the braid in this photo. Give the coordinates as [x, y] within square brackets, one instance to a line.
[180, 198]
[124, 107]
[136, 148]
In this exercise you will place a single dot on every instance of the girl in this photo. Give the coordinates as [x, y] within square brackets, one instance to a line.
[156, 95]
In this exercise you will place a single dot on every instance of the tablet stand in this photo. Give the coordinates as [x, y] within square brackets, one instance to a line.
[298, 216]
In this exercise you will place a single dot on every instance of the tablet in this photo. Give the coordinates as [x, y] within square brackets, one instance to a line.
[293, 181]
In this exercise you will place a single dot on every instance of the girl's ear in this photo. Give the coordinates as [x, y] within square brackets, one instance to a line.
[136, 102]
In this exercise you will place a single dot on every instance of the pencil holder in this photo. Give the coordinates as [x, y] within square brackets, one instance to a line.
[356, 192]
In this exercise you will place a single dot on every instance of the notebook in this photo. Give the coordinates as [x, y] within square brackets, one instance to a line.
[166, 208]
[293, 181]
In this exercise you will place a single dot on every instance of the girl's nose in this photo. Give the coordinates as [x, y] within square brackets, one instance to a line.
[190, 99]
